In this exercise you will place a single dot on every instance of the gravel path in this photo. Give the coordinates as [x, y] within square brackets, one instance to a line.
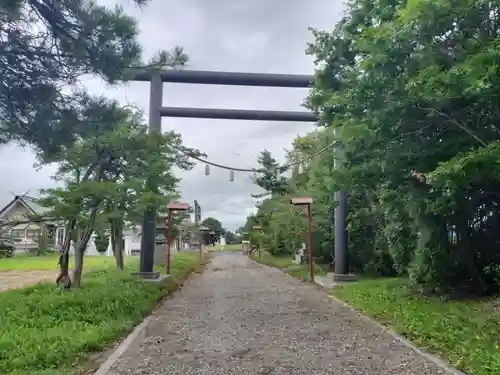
[240, 317]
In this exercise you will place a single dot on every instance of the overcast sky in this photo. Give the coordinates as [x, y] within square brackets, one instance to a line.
[267, 36]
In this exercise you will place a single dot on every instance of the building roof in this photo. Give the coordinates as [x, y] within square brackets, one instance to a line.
[34, 204]
[31, 204]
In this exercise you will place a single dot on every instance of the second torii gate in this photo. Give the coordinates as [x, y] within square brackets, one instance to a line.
[157, 111]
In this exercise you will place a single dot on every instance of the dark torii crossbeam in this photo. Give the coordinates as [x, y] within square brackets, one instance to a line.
[157, 111]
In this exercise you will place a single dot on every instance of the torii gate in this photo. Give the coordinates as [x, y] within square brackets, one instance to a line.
[157, 111]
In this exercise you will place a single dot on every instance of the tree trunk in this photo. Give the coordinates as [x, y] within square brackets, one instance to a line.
[80, 247]
[467, 251]
[63, 280]
[117, 242]
[78, 268]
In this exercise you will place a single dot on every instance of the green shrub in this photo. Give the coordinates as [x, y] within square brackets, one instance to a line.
[6, 250]
[101, 241]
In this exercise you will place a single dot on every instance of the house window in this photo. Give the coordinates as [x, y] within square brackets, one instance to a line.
[17, 233]
[33, 233]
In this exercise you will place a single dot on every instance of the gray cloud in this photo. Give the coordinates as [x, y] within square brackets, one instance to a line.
[254, 36]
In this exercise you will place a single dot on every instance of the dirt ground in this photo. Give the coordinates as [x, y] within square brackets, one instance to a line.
[21, 279]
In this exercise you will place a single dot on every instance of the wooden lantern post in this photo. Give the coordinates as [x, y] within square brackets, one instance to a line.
[258, 228]
[174, 206]
[203, 230]
[307, 202]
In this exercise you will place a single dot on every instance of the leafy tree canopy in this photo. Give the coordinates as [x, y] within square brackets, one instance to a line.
[271, 180]
[214, 225]
[215, 230]
[47, 47]
[113, 173]
[411, 88]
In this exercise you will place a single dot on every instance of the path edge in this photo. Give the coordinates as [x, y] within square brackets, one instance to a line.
[124, 345]
[405, 342]
[138, 330]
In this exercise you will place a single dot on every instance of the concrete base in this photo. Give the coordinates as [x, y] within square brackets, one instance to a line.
[147, 275]
[336, 277]
[162, 279]
[325, 282]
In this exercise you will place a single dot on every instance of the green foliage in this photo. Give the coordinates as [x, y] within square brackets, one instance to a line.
[231, 238]
[49, 49]
[47, 329]
[411, 89]
[270, 180]
[108, 168]
[283, 227]
[113, 174]
[213, 224]
[6, 250]
[215, 230]
[101, 241]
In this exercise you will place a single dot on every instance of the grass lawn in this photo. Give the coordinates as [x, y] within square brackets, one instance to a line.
[46, 331]
[282, 262]
[273, 261]
[302, 271]
[465, 333]
[230, 247]
[218, 247]
[49, 262]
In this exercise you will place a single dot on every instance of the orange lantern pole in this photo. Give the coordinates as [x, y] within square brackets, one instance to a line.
[307, 202]
[175, 206]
